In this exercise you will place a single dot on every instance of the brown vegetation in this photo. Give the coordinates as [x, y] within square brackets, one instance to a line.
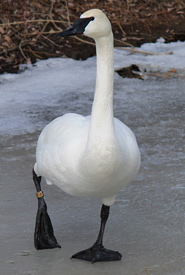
[28, 28]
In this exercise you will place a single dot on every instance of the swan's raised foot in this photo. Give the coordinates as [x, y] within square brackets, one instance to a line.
[44, 234]
[97, 254]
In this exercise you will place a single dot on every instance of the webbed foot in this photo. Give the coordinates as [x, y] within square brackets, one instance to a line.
[44, 234]
[97, 254]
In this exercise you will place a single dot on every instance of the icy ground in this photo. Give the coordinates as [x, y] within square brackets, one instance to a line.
[147, 222]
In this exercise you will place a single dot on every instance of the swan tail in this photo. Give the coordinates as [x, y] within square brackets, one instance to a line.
[44, 234]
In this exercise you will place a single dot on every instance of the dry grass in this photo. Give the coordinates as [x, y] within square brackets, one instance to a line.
[27, 27]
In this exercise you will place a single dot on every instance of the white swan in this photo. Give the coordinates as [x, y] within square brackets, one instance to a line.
[93, 156]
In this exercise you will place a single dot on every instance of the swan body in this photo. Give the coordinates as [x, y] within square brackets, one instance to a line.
[62, 158]
[97, 155]
[92, 156]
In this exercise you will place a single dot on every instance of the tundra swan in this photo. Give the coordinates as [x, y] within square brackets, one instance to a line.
[93, 156]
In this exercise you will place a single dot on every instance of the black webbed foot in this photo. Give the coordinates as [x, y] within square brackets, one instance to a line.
[44, 234]
[98, 254]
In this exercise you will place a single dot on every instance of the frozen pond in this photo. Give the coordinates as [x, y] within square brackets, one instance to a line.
[147, 222]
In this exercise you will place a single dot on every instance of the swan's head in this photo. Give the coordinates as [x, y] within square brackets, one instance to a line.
[93, 23]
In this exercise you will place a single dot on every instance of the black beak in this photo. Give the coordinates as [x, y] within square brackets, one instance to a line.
[78, 27]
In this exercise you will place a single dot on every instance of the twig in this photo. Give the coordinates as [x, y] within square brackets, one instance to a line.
[51, 8]
[119, 25]
[52, 20]
[68, 17]
[33, 21]
[51, 41]
[43, 29]
[34, 53]
[124, 43]
[84, 41]
[165, 75]
[21, 50]
[44, 53]
[133, 50]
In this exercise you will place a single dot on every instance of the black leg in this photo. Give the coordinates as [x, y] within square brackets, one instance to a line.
[97, 252]
[44, 235]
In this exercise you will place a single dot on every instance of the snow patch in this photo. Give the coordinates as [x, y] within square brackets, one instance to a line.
[55, 86]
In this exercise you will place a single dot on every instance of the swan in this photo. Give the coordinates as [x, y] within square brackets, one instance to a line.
[93, 156]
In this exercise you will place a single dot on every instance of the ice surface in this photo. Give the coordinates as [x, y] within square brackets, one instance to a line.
[147, 222]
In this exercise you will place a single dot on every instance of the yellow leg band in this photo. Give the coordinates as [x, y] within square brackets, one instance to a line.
[39, 194]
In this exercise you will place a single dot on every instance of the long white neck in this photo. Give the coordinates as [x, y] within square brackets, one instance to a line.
[101, 132]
